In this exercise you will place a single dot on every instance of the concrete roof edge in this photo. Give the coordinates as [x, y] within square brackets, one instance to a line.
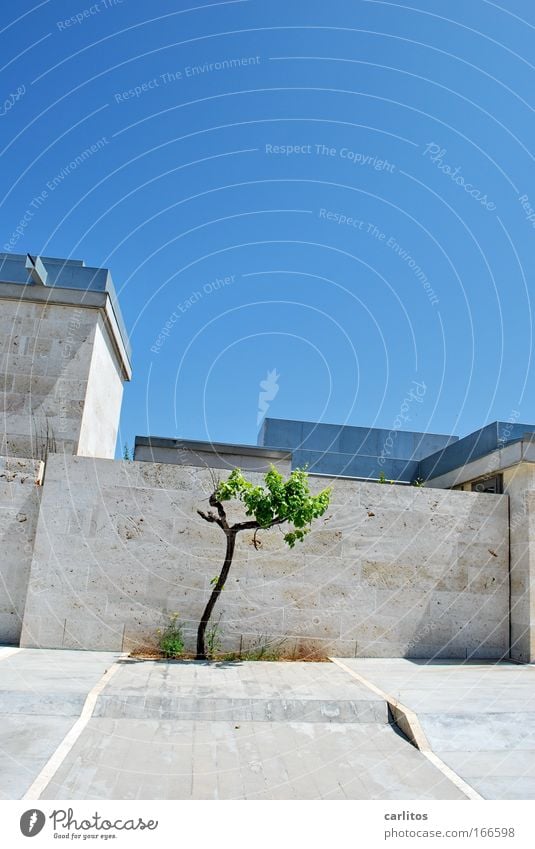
[492, 463]
[84, 298]
[211, 447]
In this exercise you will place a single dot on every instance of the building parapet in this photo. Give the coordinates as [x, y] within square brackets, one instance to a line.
[211, 454]
[67, 283]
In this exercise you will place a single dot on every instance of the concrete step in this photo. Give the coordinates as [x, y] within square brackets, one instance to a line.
[240, 691]
[131, 706]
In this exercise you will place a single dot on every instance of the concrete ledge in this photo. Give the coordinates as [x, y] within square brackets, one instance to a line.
[243, 710]
[220, 447]
[476, 719]
[408, 722]
[239, 691]
[219, 455]
[403, 717]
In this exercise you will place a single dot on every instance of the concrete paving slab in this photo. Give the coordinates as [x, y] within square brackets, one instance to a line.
[507, 788]
[247, 691]
[40, 673]
[479, 718]
[488, 732]
[452, 683]
[131, 759]
[26, 743]
[246, 679]
[42, 694]
[507, 764]
[6, 651]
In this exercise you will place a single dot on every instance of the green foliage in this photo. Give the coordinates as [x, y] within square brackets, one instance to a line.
[127, 453]
[297, 535]
[265, 649]
[278, 501]
[171, 641]
[383, 478]
[418, 482]
[213, 638]
[261, 649]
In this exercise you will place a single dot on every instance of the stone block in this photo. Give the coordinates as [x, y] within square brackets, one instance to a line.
[19, 508]
[311, 624]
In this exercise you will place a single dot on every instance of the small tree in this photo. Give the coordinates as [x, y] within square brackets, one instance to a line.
[276, 503]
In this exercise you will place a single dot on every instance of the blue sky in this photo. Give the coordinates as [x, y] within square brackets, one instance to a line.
[339, 193]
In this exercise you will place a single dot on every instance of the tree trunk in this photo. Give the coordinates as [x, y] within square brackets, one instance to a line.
[216, 592]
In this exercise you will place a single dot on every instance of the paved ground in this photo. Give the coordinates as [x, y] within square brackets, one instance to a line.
[196, 731]
[168, 759]
[42, 693]
[479, 718]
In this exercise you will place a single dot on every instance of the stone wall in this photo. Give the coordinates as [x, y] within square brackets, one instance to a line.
[519, 483]
[389, 571]
[45, 357]
[19, 507]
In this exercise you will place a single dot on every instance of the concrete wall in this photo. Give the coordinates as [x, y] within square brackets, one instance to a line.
[19, 507]
[388, 571]
[516, 461]
[64, 354]
[519, 483]
[45, 356]
[59, 375]
[104, 394]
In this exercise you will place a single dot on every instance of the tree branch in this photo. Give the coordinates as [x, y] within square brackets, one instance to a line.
[220, 510]
[254, 525]
[246, 526]
[210, 517]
